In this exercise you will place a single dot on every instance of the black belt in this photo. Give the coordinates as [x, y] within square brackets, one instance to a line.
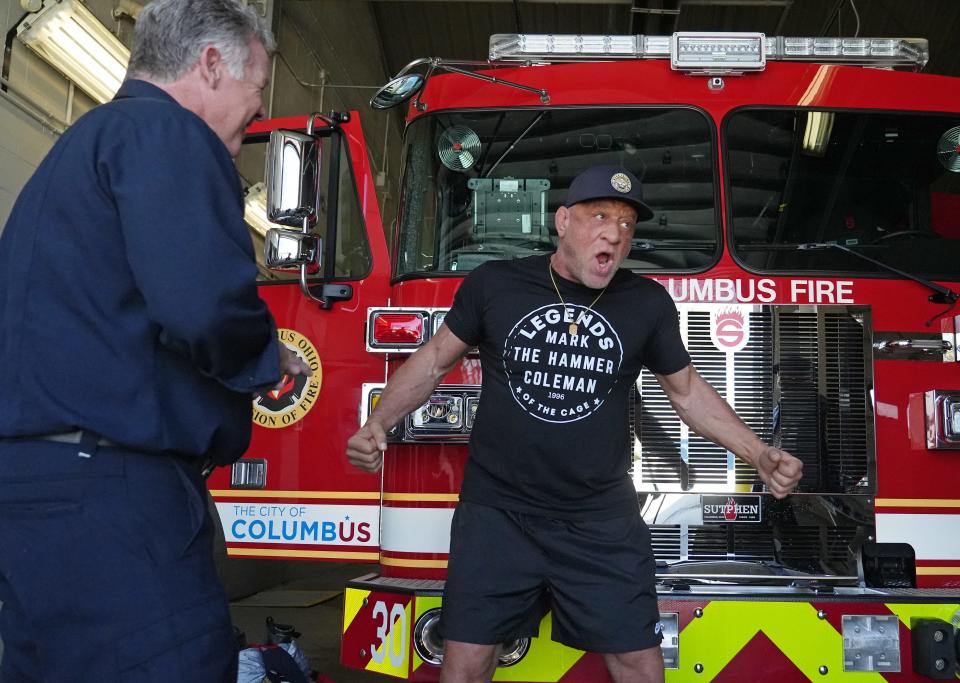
[75, 436]
[89, 442]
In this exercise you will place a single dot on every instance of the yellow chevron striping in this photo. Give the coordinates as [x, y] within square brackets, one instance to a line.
[906, 613]
[309, 554]
[918, 502]
[331, 495]
[546, 662]
[352, 604]
[712, 640]
[726, 627]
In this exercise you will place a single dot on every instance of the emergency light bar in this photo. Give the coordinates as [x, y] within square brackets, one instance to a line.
[713, 52]
[727, 51]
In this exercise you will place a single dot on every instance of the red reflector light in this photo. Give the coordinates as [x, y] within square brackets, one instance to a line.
[398, 328]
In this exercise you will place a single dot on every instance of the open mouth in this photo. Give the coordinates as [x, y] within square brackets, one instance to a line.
[604, 261]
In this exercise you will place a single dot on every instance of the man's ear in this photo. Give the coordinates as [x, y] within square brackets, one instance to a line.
[561, 219]
[211, 66]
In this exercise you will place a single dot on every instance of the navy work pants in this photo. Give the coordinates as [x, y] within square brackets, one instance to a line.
[106, 569]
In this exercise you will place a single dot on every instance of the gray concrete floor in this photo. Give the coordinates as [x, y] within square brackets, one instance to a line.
[319, 625]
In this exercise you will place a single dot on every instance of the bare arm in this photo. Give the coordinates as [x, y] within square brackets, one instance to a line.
[408, 388]
[704, 410]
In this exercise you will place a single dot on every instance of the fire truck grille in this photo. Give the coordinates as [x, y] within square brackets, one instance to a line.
[801, 382]
[812, 549]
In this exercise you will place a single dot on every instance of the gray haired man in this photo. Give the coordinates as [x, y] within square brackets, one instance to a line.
[132, 341]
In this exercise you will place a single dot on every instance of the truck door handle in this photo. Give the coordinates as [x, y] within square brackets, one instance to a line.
[332, 293]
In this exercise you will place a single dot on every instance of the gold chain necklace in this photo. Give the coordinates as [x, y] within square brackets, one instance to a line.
[574, 329]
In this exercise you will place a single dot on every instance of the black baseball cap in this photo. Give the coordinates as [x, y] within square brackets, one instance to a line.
[608, 182]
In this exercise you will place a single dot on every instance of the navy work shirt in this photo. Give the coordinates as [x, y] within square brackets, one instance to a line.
[128, 304]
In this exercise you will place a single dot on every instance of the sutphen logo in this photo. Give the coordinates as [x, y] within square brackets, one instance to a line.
[277, 408]
[731, 509]
[730, 328]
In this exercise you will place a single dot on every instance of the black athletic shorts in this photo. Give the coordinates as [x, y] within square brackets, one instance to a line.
[506, 567]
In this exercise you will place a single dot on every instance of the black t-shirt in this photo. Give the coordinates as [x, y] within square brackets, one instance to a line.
[552, 433]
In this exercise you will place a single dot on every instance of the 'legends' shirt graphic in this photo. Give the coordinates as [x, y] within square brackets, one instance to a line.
[556, 376]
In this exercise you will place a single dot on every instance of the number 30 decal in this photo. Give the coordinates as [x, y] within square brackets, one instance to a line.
[391, 642]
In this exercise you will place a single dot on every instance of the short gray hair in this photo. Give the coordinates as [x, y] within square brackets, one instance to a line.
[170, 35]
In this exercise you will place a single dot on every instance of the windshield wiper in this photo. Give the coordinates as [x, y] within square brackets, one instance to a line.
[941, 295]
[514, 143]
[672, 245]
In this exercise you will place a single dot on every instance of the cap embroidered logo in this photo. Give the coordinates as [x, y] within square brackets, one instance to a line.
[621, 183]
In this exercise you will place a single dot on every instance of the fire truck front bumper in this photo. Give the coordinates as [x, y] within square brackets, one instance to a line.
[711, 633]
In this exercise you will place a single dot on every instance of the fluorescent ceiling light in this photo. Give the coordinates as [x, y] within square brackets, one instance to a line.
[255, 209]
[73, 41]
[816, 135]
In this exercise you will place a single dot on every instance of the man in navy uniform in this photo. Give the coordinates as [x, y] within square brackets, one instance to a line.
[546, 500]
[131, 341]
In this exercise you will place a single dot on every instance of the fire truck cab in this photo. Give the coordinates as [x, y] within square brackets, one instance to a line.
[806, 197]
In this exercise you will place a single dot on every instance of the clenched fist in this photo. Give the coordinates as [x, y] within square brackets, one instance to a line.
[779, 470]
[365, 448]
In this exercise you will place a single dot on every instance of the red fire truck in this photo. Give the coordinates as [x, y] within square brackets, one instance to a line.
[806, 196]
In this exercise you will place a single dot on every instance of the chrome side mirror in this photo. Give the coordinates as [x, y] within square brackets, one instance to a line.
[397, 91]
[293, 178]
[293, 198]
[291, 250]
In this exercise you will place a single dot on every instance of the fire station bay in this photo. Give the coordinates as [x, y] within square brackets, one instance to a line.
[770, 187]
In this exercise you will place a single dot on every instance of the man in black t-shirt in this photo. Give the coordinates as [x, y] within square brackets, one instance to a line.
[562, 339]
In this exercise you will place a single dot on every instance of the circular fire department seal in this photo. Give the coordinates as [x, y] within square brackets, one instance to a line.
[278, 408]
[621, 183]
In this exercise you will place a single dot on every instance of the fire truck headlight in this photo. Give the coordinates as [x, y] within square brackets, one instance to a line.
[437, 320]
[429, 644]
[953, 420]
[426, 641]
[441, 415]
[942, 413]
[514, 651]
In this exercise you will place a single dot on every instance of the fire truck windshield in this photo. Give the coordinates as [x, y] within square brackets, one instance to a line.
[484, 185]
[885, 185]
